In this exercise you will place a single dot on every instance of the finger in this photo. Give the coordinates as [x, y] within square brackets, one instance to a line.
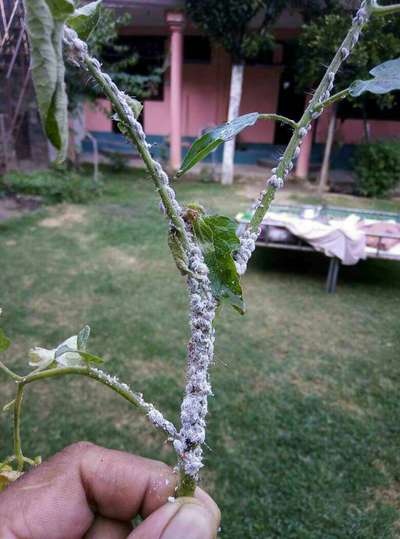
[105, 528]
[120, 485]
[59, 498]
[186, 518]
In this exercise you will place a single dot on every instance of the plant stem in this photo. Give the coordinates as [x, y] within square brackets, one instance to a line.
[109, 381]
[278, 118]
[10, 373]
[333, 99]
[134, 130]
[384, 10]
[186, 485]
[17, 427]
[316, 105]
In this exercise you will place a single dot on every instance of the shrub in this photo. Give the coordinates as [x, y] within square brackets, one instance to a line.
[377, 166]
[54, 185]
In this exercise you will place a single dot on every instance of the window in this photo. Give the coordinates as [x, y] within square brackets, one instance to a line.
[150, 52]
[196, 50]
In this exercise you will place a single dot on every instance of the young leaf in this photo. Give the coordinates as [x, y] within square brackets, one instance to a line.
[60, 9]
[90, 358]
[45, 22]
[85, 19]
[4, 341]
[386, 79]
[212, 138]
[83, 337]
[218, 241]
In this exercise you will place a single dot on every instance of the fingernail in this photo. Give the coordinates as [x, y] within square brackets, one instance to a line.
[191, 521]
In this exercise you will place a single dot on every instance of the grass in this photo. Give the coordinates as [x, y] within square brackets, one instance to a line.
[304, 426]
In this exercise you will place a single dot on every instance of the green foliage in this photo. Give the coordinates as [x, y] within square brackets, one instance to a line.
[227, 23]
[45, 21]
[4, 341]
[321, 37]
[217, 237]
[85, 19]
[53, 185]
[386, 79]
[320, 446]
[377, 166]
[208, 142]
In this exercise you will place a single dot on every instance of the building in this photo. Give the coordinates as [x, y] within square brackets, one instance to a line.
[195, 90]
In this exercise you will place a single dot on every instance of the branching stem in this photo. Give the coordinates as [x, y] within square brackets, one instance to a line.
[136, 399]
[314, 108]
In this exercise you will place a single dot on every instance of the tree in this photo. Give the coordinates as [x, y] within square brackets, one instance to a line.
[227, 22]
[320, 37]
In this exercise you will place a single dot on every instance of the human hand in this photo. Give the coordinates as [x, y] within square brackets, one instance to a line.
[86, 491]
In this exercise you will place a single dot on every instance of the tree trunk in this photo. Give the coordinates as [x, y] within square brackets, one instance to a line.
[234, 104]
[323, 179]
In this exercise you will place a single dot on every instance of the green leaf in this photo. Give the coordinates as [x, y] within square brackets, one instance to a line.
[90, 358]
[208, 142]
[45, 22]
[84, 19]
[4, 341]
[386, 79]
[83, 337]
[218, 241]
[60, 9]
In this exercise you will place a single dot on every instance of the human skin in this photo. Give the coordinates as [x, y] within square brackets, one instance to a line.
[86, 491]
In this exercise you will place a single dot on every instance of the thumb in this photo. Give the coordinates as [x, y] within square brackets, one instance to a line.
[185, 518]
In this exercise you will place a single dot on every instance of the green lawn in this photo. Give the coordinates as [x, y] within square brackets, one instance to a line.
[304, 427]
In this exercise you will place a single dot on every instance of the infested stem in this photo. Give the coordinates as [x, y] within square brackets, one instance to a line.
[333, 99]
[320, 99]
[134, 130]
[189, 440]
[155, 417]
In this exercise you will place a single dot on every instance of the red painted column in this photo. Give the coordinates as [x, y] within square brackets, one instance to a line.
[176, 21]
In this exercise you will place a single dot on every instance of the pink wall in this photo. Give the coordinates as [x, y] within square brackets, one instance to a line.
[260, 94]
[205, 100]
[96, 118]
[352, 131]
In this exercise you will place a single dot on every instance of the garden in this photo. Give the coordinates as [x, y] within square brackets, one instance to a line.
[140, 311]
[303, 431]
